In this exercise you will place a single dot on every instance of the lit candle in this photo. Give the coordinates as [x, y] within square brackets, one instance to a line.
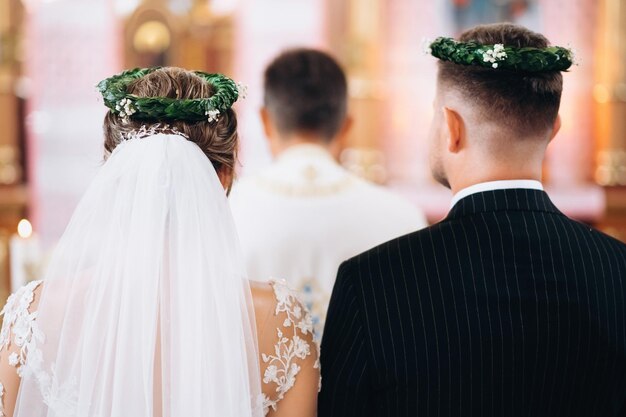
[25, 255]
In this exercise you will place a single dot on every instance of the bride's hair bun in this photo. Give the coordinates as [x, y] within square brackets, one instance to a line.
[217, 137]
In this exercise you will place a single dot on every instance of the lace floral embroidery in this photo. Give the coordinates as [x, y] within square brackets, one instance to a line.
[282, 368]
[26, 334]
[145, 131]
[22, 324]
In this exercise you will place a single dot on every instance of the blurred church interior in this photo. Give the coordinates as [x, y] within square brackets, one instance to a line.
[53, 52]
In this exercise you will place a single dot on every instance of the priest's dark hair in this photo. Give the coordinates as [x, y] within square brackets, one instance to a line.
[527, 104]
[306, 92]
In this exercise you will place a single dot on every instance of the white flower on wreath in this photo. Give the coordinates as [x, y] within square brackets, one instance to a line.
[425, 46]
[495, 55]
[125, 109]
[213, 115]
[242, 91]
[573, 55]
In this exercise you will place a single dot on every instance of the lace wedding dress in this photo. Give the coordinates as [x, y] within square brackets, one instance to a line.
[293, 345]
[145, 309]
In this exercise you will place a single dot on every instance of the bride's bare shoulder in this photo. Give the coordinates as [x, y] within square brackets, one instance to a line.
[264, 302]
[288, 353]
[18, 336]
[262, 292]
[262, 296]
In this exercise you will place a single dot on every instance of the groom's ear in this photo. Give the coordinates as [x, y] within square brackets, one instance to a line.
[454, 129]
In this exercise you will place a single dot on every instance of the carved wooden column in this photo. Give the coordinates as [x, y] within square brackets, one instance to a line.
[609, 94]
[12, 186]
[569, 163]
[409, 79]
[572, 24]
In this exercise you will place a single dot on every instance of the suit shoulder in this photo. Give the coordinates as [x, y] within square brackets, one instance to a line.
[589, 231]
[397, 244]
[394, 249]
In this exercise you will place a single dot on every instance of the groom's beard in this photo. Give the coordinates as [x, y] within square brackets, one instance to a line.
[442, 179]
[439, 173]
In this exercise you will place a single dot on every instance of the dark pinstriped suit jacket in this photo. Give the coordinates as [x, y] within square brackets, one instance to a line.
[505, 308]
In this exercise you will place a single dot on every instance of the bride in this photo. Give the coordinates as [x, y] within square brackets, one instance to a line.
[145, 309]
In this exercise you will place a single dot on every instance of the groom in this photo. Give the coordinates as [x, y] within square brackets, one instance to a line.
[505, 308]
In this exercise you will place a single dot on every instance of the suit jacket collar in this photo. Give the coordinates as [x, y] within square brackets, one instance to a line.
[503, 200]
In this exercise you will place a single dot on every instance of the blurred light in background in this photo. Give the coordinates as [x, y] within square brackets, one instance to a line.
[52, 53]
[152, 37]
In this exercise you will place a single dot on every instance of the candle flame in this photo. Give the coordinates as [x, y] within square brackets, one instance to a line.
[24, 229]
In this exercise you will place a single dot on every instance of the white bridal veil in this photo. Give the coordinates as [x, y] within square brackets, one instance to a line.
[145, 309]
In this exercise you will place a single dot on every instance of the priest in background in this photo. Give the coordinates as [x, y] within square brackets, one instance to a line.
[305, 214]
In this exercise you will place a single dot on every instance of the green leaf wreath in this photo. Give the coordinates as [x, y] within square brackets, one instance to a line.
[498, 56]
[114, 92]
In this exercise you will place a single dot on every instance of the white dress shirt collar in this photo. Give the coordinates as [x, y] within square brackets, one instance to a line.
[496, 185]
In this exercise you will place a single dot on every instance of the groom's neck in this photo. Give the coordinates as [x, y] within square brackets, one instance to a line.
[481, 171]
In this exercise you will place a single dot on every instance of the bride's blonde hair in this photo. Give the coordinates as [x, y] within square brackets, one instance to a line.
[218, 139]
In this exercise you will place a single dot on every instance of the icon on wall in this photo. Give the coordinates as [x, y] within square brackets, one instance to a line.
[468, 13]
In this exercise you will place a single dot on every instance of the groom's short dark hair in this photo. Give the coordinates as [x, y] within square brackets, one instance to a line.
[306, 91]
[525, 103]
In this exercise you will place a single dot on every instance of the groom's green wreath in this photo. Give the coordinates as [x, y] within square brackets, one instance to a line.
[499, 56]
[114, 92]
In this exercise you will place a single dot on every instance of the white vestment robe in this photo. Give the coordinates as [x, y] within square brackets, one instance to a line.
[305, 214]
